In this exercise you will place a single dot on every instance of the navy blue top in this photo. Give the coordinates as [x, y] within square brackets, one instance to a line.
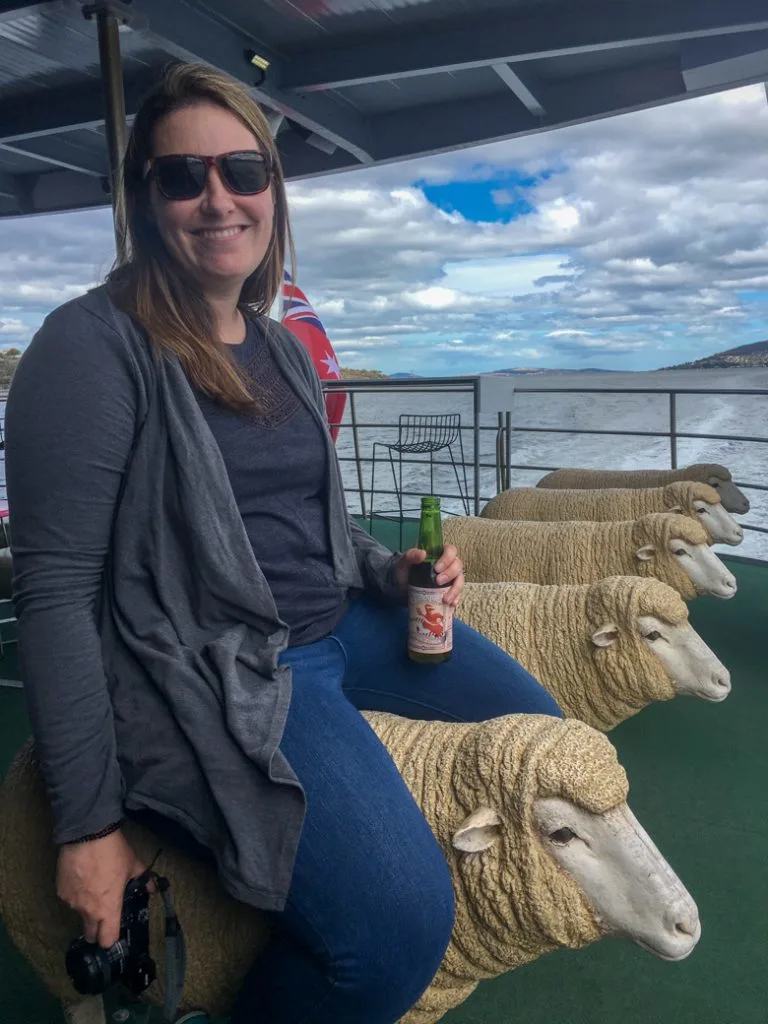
[276, 462]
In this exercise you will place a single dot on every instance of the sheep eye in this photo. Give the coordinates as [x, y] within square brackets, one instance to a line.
[562, 836]
[681, 551]
[703, 511]
[654, 635]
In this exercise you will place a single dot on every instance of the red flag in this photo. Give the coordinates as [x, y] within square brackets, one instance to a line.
[301, 319]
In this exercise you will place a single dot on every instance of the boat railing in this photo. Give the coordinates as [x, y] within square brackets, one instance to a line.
[365, 433]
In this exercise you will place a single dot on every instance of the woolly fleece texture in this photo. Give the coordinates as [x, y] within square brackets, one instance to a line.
[575, 552]
[606, 505]
[514, 902]
[593, 478]
[548, 629]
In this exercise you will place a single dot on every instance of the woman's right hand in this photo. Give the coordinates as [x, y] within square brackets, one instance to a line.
[91, 878]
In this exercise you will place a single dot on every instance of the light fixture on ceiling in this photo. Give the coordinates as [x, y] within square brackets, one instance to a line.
[259, 63]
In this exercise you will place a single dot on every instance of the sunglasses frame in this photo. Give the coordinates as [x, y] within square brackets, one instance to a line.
[208, 162]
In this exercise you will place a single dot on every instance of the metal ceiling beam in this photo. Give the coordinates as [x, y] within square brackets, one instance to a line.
[725, 60]
[188, 33]
[61, 154]
[519, 35]
[50, 113]
[437, 127]
[521, 88]
[302, 161]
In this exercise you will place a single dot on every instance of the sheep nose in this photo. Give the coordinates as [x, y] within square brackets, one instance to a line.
[729, 582]
[722, 679]
[683, 921]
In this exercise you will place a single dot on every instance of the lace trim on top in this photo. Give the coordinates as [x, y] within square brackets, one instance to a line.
[277, 399]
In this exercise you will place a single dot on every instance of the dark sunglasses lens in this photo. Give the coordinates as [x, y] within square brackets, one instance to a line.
[180, 177]
[245, 173]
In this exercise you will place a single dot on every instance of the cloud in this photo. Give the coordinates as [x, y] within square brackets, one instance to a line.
[12, 329]
[637, 241]
[655, 220]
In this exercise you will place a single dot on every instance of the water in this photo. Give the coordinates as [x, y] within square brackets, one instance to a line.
[709, 413]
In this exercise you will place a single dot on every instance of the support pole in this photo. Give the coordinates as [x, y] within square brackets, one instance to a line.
[108, 17]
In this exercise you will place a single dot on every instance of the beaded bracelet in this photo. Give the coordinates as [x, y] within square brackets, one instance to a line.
[100, 834]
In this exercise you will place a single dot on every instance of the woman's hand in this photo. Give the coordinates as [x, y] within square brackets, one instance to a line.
[91, 878]
[449, 568]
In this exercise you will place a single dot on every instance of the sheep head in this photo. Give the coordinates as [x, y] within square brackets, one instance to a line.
[718, 477]
[555, 856]
[521, 900]
[645, 649]
[677, 548]
[702, 502]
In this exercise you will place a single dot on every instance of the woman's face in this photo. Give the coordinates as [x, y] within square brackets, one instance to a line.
[219, 237]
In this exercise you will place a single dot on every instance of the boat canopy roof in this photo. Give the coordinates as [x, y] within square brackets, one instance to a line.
[354, 83]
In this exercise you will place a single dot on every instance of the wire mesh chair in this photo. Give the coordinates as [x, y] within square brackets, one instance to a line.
[422, 435]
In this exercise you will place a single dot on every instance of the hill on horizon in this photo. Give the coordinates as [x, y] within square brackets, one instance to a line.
[754, 354]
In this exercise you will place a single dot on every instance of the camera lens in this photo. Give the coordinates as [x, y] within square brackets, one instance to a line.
[92, 969]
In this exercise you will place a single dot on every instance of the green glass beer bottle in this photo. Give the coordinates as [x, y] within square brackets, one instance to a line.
[430, 622]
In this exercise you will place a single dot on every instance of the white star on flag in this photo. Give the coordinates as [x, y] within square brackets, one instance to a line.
[332, 365]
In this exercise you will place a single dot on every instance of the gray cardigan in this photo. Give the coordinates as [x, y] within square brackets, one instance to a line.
[177, 702]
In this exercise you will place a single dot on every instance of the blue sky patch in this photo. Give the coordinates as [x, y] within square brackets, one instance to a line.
[496, 199]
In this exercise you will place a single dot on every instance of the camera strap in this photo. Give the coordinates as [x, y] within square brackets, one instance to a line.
[175, 947]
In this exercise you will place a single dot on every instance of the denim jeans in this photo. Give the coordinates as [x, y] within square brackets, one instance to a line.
[370, 908]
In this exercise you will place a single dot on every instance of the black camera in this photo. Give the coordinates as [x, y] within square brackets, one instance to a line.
[92, 969]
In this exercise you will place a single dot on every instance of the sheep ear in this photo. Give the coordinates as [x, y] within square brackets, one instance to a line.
[645, 554]
[676, 508]
[606, 636]
[478, 832]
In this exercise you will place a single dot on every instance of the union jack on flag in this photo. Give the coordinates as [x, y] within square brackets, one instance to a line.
[300, 318]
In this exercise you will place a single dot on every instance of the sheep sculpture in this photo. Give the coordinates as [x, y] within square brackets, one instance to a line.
[604, 650]
[695, 500]
[664, 545]
[508, 800]
[718, 477]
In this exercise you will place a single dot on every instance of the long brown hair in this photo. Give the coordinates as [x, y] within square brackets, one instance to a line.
[145, 280]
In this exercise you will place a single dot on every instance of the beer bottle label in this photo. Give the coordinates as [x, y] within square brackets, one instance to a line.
[430, 622]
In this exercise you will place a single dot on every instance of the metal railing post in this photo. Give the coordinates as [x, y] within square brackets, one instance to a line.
[499, 462]
[508, 453]
[673, 428]
[476, 439]
[358, 460]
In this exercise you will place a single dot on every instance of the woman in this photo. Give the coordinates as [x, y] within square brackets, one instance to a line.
[200, 623]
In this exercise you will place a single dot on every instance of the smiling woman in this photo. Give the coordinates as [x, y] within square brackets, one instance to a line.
[203, 223]
[193, 597]
[217, 223]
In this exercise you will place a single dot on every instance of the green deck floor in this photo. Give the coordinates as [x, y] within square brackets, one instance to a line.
[698, 775]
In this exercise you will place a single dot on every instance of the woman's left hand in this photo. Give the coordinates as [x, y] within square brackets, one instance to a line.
[449, 568]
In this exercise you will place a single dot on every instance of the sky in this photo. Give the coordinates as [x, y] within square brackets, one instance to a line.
[631, 243]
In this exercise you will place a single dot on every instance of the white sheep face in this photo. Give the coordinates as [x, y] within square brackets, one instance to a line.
[718, 522]
[632, 890]
[700, 563]
[732, 498]
[693, 667]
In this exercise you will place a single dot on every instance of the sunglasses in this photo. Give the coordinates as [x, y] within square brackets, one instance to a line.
[182, 176]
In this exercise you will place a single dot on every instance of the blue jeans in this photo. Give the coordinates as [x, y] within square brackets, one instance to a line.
[370, 908]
